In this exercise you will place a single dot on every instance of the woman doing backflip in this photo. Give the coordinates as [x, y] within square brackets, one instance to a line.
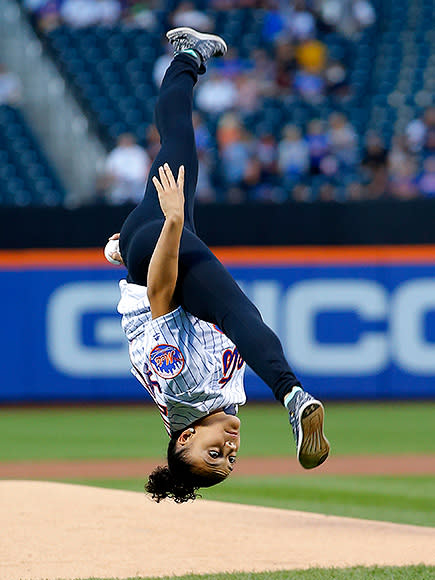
[189, 326]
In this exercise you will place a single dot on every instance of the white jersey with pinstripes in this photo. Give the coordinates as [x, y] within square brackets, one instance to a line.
[188, 366]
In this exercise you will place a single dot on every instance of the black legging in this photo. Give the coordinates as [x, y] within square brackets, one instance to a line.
[204, 287]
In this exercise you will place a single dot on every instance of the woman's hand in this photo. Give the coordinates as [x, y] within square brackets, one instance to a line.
[112, 250]
[171, 193]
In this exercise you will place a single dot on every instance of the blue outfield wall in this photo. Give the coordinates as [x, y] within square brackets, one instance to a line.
[350, 332]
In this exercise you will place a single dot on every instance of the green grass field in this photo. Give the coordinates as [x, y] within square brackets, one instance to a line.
[134, 432]
[137, 432]
[357, 573]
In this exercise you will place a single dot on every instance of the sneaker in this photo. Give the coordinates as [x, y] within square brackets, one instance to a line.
[306, 416]
[206, 45]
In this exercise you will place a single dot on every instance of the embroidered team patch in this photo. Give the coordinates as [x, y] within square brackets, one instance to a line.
[166, 361]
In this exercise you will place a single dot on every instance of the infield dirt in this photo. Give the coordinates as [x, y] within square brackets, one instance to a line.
[54, 530]
[113, 468]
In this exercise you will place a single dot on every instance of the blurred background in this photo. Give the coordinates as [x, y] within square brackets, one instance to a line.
[316, 138]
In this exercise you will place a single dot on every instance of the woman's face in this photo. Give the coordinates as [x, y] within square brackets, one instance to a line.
[212, 444]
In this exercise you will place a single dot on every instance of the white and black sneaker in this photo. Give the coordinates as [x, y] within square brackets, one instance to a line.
[205, 45]
[306, 415]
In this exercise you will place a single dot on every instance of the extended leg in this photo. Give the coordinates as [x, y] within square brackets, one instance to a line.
[174, 122]
[207, 290]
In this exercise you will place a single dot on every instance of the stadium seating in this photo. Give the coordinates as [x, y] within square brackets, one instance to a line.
[402, 79]
[26, 177]
[388, 68]
[111, 71]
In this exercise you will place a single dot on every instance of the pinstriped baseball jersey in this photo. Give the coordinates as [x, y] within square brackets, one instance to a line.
[188, 366]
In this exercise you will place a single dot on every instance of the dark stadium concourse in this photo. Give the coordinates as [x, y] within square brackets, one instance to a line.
[363, 223]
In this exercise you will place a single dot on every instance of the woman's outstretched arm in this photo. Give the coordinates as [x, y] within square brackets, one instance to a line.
[163, 267]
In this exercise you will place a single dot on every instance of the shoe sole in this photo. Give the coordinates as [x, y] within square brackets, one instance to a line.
[313, 448]
[171, 34]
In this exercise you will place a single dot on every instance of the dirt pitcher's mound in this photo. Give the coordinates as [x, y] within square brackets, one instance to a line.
[52, 530]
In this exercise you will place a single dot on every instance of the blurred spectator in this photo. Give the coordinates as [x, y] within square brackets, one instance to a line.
[274, 23]
[161, 64]
[267, 156]
[79, 13]
[416, 133]
[429, 122]
[45, 13]
[374, 165]
[229, 130]
[10, 87]
[403, 181]
[363, 13]
[426, 181]
[327, 193]
[310, 86]
[285, 63]
[203, 138]
[343, 140]
[375, 154]
[141, 14]
[355, 191]
[267, 153]
[126, 170]
[301, 22]
[336, 80]
[399, 153]
[255, 184]
[301, 193]
[109, 12]
[236, 160]
[261, 179]
[83, 13]
[311, 56]
[205, 193]
[204, 145]
[232, 65]
[329, 166]
[318, 144]
[293, 154]
[216, 94]
[248, 94]
[187, 15]
[348, 16]
[264, 71]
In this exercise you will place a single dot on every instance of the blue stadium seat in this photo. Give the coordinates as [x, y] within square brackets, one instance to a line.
[26, 177]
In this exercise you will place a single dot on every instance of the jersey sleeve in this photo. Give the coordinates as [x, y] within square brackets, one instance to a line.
[175, 354]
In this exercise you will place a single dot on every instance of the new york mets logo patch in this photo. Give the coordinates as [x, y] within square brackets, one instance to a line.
[166, 361]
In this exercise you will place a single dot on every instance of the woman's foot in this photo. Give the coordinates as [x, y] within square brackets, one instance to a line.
[205, 45]
[306, 416]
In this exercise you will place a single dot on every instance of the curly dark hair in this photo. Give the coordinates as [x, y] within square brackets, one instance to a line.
[176, 480]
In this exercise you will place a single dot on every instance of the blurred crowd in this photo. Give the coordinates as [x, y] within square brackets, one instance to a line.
[271, 170]
[323, 158]
[348, 16]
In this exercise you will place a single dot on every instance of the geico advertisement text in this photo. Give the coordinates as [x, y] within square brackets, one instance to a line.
[349, 332]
